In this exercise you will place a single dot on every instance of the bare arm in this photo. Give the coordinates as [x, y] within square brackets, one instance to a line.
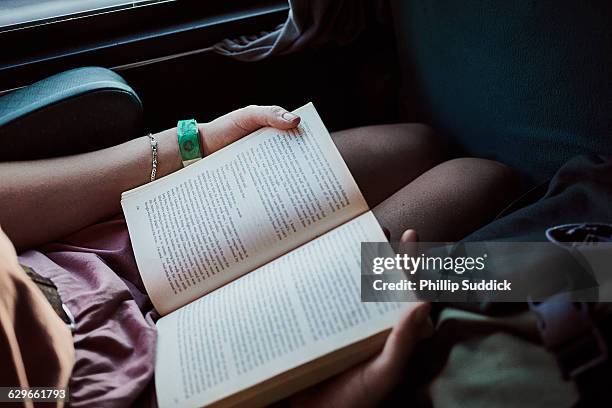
[46, 199]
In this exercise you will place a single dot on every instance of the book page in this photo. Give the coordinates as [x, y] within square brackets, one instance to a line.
[207, 224]
[293, 310]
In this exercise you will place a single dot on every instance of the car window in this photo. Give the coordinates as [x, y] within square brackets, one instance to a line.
[15, 14]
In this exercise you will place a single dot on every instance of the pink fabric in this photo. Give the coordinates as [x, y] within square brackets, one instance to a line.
[97, 278]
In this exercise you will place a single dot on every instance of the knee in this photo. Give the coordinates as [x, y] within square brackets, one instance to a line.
[483, 167]
[488, 179]
[392, 140]
[417, 138]
[417, 130]
[409, 148]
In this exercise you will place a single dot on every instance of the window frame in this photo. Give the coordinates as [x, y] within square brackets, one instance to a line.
[68, 13]
[127, 37]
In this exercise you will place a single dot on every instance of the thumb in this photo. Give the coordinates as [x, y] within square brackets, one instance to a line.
[409, 235]
[413, 326]
[253, 117]
[408, 243]
[239, 123]
[367, 384]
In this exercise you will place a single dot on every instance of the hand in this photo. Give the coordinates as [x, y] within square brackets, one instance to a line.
[368, 383]
[239, 123]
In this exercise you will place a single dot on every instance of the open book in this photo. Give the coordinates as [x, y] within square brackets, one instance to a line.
[252, 257]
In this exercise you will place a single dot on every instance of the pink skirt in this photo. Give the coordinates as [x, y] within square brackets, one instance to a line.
[97, 279]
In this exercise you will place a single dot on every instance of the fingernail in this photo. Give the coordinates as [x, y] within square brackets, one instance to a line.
[409, 235]
[289, 117]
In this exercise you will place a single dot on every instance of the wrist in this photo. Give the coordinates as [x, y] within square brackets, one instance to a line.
[168, 152]
[201, 135]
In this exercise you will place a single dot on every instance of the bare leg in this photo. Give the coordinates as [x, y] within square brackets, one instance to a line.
[385, 158]
[449, 201]
[394, 168]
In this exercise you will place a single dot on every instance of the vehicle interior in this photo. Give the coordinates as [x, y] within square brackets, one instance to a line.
[161, 47]
[381, 66]
[527, 84]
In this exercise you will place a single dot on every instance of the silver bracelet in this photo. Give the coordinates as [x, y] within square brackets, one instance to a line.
[153, 141]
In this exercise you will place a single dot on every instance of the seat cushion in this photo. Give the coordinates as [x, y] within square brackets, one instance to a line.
[74, 111]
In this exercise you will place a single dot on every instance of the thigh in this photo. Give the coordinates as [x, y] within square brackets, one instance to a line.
[384, 158]
[450, 200]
